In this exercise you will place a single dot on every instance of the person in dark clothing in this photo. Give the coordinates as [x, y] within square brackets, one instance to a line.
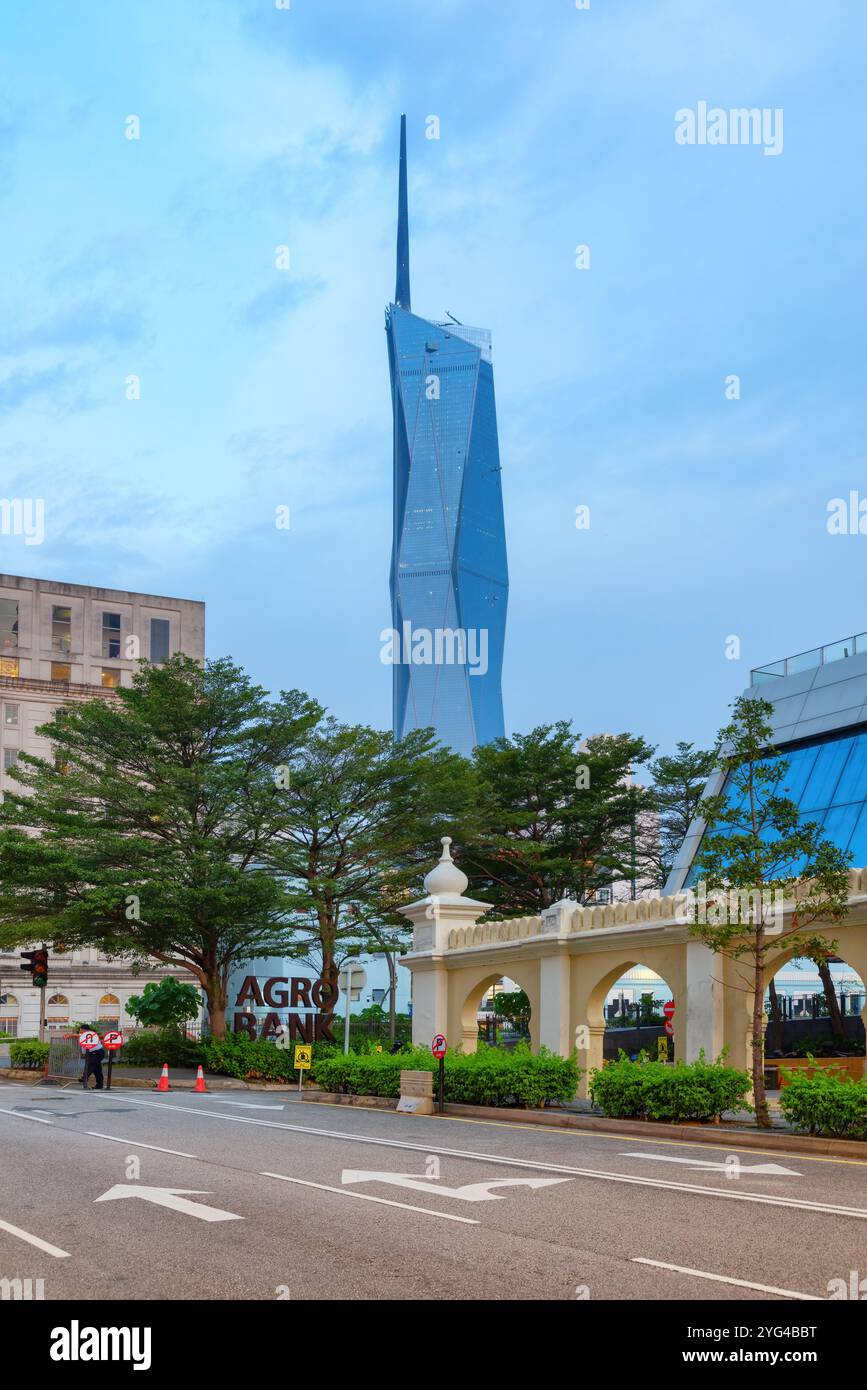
[93, 1066]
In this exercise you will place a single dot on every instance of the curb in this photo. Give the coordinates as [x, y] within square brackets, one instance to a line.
[722, 1134]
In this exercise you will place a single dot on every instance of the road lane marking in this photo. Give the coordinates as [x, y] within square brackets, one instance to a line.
[137, 1144]
[610, 1138]
[20, 1116]
[762, 1199]
[251, 1105]
[769, 1169]
[175, 1198]
[470, 1192]
[382, 1201]
[724, 1279]
[35, 1240]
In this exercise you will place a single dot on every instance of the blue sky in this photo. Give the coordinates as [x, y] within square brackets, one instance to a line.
[260, 387]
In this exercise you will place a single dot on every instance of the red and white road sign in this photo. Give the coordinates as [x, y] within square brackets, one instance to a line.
[669, 1027]
[88, 1039]
[112, 1041]
[439, 1046]
[668, 1009]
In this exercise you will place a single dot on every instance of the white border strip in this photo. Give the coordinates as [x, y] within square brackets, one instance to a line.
[725, 1279]
[35, 1240]
[383, 1201]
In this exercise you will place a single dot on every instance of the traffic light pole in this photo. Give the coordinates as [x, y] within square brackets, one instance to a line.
[42, 1015]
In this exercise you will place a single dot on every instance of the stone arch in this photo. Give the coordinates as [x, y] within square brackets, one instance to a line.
[784, 958]
[594, 975]
[467, 988]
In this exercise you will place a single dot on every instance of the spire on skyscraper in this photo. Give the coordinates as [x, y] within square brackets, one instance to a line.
[401, 289]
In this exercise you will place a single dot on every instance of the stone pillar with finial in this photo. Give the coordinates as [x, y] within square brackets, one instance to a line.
[441, 911]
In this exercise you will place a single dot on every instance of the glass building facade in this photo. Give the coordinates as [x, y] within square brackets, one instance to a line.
[449, 577]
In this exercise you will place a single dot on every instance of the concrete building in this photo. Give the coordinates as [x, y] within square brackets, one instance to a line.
[61, 642]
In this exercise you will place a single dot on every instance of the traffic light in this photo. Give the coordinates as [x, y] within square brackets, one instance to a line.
[36, 963]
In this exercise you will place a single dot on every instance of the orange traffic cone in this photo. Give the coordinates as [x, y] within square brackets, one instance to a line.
[163, 1083]
[200, 1086]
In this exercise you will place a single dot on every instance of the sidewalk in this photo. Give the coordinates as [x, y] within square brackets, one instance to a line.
[146, 1078]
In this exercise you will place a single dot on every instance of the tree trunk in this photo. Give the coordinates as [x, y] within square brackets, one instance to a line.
[774, 1034]
[763, 1118]
[831, 999]
[215, 993]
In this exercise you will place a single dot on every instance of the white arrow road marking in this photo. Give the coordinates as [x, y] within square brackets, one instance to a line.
[775, 1169]
[250, 1105]
[728, 1193]
[471, 1192]
[724, 1279]
[381, 1201]
[173, 1197]
[35, 1240]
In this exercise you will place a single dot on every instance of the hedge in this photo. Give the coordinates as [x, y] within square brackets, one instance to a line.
[822, 1104]
[238, 1055]
[28, 1052]
[489, 1076]
[649, 1090]
[151, 1049]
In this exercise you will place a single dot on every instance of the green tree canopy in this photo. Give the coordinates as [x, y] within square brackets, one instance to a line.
[559, 817]
[758, 852]
[152, 823]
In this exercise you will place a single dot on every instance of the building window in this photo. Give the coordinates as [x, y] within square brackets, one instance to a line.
[10, 715]
[109, 1009]
[110, 635]
[61, 629]
[57, 1011]
[9, 1011]
[160, 638]
[110, 677]
[8, 624]
[61, 671]
[10, 758]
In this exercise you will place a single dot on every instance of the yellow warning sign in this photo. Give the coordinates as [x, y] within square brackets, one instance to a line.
[303, 1054]
[662, 1049]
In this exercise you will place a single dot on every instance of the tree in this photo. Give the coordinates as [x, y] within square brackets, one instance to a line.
[168, 1004]
[559, 817]
[364, 814]
[515, 1005]
[756, 854]
[152, 822]
[678, 782]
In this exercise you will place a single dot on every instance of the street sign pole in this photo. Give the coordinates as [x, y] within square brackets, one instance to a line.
[439, 1047]
[108, 1078]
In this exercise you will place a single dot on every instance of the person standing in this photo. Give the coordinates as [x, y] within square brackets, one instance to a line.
[93, 1065]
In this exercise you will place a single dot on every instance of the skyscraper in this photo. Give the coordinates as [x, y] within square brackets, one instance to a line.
[449, 578]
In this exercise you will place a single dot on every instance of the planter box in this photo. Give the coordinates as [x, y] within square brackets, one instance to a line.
[844, 1068]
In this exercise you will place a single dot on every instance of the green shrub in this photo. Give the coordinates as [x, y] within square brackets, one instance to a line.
[822, 1104]
[649, 1090]
[489, 1076]
[151, 1049]
[27, 1052]
[238, 1055]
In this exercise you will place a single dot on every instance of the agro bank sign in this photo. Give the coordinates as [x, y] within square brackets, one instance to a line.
[286, 999]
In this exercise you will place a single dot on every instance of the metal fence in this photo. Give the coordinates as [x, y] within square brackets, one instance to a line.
[64, 1057]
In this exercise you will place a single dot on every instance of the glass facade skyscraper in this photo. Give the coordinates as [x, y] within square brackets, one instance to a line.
[449, 577]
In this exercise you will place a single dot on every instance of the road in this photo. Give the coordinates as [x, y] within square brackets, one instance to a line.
[131, 1194]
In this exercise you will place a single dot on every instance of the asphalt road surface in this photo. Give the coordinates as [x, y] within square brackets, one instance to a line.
[130, 1194]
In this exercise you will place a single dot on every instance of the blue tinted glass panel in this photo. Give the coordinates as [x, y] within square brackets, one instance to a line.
[839, 824]
[858, 842]
[822, 782]
[853, 781]
[801, 764]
